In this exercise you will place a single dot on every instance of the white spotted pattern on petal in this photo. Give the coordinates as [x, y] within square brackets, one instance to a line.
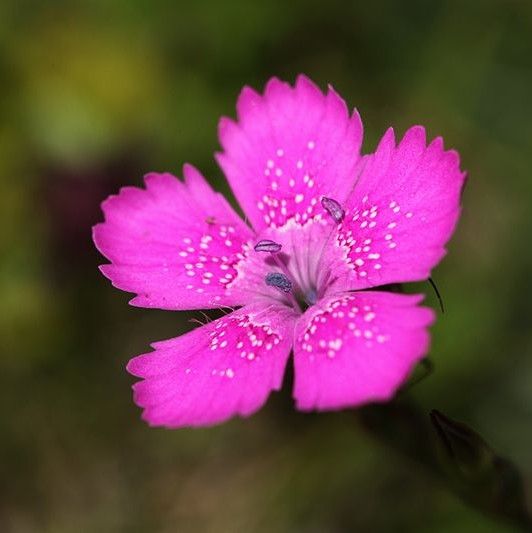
[368, 235]
[247, 338]
[290, 189]
[209, 258]
[340, 322]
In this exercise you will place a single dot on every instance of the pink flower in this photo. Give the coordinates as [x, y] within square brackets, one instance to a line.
[324, 224]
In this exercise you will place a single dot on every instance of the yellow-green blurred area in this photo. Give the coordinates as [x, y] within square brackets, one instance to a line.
[95, 94]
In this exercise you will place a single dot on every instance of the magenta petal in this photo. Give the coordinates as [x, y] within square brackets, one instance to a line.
[289, 148]
[225, 368]
[357, 348]
[402, 211]
[175, 244]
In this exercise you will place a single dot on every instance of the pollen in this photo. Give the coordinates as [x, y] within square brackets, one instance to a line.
[267, 245]
[279, 281]
[333, 208]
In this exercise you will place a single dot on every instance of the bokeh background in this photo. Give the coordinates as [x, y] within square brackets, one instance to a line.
[95, 94]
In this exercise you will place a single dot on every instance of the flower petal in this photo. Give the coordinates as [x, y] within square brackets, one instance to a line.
[225, 368]
[357, 348]
[289, 148]
[402, 211]
[175, 244]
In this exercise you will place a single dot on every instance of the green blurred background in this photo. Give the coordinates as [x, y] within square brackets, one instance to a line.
[95, 94]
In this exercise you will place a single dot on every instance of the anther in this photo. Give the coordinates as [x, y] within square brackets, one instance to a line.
[267, 245]
[333, 208]
[279, 281]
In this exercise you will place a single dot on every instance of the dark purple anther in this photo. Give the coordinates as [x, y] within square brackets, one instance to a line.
[279, 281]
[266, 245]
[333, 208]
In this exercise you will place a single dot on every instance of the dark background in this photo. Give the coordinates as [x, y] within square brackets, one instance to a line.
[95, 94]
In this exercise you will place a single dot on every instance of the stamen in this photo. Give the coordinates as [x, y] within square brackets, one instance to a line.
[267, 245]
[279, 281]
[333, 208]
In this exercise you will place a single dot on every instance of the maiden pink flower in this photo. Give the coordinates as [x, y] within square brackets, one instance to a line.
[325, 224]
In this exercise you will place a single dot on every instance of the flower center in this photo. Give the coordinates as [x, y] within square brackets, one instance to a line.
[301, 270]
[282, 281]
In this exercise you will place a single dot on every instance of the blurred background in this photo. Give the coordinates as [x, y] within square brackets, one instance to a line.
[95, 94]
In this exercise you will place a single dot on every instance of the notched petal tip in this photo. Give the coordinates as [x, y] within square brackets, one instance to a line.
[96, 234]
[437, 144]
[152, 178]
[276, 88]
[227, 129]
[106, 270]
[387, 143]
[302, 79]
[191, 173]
[356, 120]
[116, 200]
[247, 100]
[136, 367]
[303, 82]
[415, 134]
[333, 96]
